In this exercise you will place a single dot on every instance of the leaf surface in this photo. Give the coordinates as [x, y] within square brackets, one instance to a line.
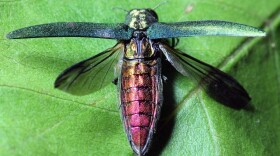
[36, 119]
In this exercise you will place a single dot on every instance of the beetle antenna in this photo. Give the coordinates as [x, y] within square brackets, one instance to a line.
[119, 8]
[160, 4]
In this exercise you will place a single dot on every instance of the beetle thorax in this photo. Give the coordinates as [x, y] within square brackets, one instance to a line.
[141, 19]
[138, 49]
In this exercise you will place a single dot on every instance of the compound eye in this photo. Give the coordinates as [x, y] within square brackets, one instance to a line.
[152, 13]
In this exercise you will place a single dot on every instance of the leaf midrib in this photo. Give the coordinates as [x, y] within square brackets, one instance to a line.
[240, 50]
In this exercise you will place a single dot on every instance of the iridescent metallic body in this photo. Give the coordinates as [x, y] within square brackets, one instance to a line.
[140, 82]
[141, 44]
[140, 91]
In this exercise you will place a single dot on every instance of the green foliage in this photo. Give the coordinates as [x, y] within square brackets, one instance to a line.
[36, 119]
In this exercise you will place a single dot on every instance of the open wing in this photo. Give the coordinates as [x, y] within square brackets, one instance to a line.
[201, 28]
[92, 74]
[74, 29]
[217, 84]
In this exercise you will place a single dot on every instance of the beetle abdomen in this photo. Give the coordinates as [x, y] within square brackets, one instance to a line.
[140, 101]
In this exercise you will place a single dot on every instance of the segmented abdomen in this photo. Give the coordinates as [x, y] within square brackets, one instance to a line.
[140, 101]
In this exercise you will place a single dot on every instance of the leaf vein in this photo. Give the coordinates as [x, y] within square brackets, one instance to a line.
[57, 97]
[211, 127]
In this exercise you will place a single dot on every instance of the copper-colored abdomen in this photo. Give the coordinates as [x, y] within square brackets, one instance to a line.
[140, 100]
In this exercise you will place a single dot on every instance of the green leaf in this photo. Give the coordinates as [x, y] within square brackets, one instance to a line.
[36, 119]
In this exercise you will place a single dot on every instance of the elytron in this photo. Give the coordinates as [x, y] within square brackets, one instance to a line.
[135, 64]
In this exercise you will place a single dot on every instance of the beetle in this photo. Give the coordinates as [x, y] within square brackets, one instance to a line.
[142, 43]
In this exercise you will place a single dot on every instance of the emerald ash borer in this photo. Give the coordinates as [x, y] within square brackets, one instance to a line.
[135, 63]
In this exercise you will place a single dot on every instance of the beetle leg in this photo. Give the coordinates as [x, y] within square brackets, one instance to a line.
[115, 81]
[164, 78]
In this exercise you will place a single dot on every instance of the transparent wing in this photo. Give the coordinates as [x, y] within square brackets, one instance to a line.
[217, 84]
[201, 28]
[92, 74]
[73, 29]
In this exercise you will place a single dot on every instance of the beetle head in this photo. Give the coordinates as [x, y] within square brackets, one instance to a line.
[141, 19]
